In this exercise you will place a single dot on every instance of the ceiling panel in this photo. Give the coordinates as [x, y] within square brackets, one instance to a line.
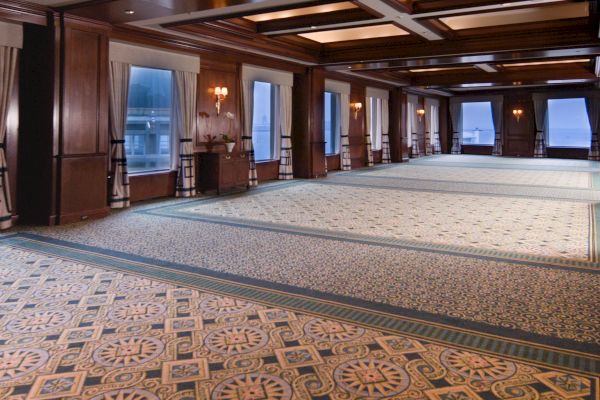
[518, 16]
[346, 5]
[364, 32]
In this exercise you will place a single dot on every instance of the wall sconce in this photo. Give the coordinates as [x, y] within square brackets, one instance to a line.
[518, 112]
[420, 113]
[356, 107]
[220, 94]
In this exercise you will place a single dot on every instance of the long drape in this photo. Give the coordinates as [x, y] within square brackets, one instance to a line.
[119, 88]
[285, 128]
[592, 103]
[370, 127]
[345, 160]
[456, 118]
[8, 66]
[540, 105]
[411, 121]
[432, 124]
[184, 109]
[385, 132]
[497, 116]
[247, 146]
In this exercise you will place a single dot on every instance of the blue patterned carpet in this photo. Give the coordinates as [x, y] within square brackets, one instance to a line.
[86, 323]
[402, 281]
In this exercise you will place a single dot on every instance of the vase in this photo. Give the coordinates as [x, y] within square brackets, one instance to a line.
[230, 146]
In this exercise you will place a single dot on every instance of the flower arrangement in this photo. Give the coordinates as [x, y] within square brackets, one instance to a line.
[227, 139]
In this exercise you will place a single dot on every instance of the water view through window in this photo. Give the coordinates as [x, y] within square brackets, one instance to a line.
[478, 124]
[263, 132]
[568, 124]
[332, 123]
[148, 129]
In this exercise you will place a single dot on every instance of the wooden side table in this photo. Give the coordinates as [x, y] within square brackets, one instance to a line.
[221, 171]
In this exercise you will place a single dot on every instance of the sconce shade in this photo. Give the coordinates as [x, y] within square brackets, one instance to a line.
[517, 112]
[356, 107]
[220, 94]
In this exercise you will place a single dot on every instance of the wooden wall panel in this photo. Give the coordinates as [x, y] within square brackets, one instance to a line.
[84, 100]
[152, 186]
[267, 171]
[358, 150]
[82, 154]
[38, 137]
[396, 127]
[302, 157]
[212, 74]
[444, 127]
[519, 135]
[333, 163]
[316, 129]
[82, 188]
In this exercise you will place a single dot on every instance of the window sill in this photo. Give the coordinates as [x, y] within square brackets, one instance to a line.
[332, 154]
[156, 172]
[265, 161]
[567, 147]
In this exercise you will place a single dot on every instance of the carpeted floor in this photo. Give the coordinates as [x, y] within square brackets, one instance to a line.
[402, 280]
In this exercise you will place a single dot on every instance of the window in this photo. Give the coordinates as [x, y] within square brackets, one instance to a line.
[568, 124]
[263, 121]
[478, 124]
[148, 130]
[375, 122]
[332, 126]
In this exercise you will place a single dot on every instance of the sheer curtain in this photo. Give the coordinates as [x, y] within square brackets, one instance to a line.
[184, 109]
[592, 103]
[456, 117]
[411, 120]
[497, 116]
[285, 128]
[8, 67]
[119, 73]
[432, 115]
[345, 160]
[385, 132]
[540, 105]
[368, 116]
[247, 146]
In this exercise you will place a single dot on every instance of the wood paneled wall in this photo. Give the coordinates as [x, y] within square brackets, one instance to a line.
[519, 136]
[83, 141]
[358, 127]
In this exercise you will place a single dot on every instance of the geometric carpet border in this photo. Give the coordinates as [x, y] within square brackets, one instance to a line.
[586, 360]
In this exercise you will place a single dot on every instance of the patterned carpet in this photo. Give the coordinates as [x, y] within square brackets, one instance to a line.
[86, 323]
[368, 284]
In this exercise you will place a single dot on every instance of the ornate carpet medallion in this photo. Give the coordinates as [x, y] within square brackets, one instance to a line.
[125, 329]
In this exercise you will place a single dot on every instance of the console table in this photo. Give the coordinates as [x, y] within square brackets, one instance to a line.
[221, 171]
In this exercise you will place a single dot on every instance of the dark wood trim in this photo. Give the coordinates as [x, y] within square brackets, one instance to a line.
[20, 11]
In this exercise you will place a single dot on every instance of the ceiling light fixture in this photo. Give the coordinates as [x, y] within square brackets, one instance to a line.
[129, 12]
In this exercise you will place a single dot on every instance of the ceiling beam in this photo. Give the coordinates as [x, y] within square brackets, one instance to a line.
[506, 77]
[573, 41]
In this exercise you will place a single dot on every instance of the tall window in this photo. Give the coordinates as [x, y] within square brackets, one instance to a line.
[263, 121]
[148, 130]
[332, 123]
[478, 124]
[375, 122]
[568, 124]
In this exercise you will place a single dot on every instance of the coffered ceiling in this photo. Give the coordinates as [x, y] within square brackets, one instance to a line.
[442, 45]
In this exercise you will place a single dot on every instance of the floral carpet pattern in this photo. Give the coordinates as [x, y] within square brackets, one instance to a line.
[78, 322]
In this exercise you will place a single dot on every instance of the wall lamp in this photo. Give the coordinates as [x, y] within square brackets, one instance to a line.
[420, 113]
[220, 94]
[356, 107]
[518, 112]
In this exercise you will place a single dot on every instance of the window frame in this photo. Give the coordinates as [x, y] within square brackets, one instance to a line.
[462, 103]
[275, 138]
[172, 141]
[573, 96]
[336, 116]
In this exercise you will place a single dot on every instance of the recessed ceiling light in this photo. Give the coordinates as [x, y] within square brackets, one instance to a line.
[313, 27]
[129, 12]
